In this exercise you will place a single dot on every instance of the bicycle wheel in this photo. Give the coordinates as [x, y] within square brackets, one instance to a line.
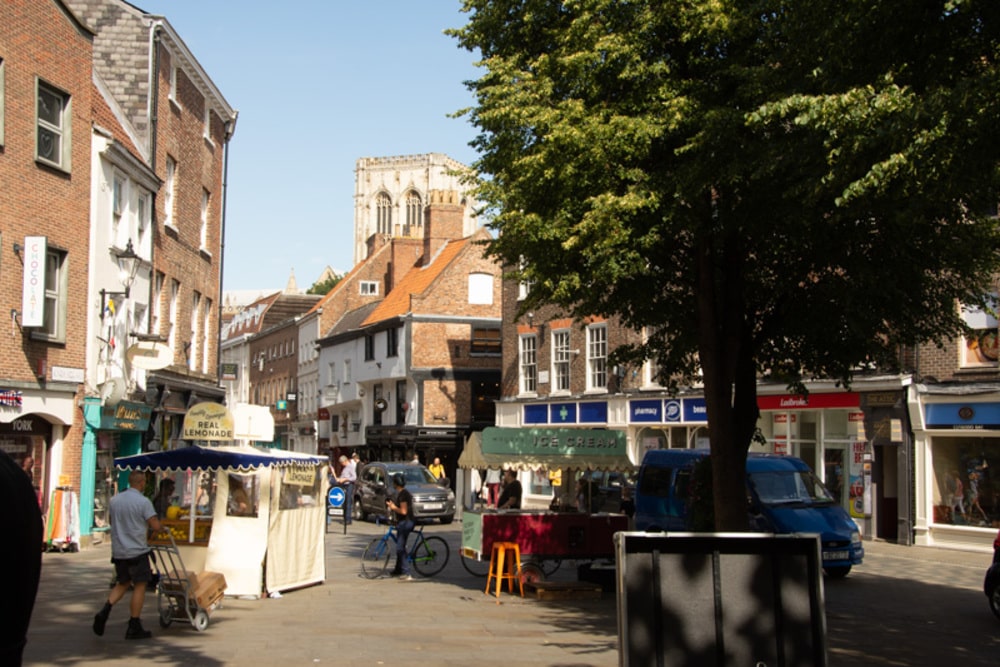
[430, 555]
[477, 568]
[375, 559]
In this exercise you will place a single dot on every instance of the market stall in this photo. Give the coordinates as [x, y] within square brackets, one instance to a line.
[544, 534]
[257, 516]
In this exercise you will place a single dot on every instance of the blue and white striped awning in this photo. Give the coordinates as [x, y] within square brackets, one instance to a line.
[198, 458]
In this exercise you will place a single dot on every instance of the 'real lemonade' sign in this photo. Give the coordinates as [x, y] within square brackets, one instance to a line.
[208, 421]
[300, 476]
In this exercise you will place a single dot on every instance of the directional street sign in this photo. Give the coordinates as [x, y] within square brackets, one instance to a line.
[337, 496]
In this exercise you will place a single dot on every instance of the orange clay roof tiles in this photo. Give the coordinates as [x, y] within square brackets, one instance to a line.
[416, 281]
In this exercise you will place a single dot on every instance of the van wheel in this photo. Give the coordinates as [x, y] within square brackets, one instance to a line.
[837, 572]
[358, 511]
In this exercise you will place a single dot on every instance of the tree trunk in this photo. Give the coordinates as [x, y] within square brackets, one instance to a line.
[730, 382]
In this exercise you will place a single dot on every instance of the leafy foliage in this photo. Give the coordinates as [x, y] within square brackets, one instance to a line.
[324, 286]
[773, 188]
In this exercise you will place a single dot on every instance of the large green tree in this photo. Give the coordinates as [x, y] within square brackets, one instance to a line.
[769, 188]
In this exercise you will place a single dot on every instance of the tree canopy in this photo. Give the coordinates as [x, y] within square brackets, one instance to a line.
[767, 188]
[324, 286]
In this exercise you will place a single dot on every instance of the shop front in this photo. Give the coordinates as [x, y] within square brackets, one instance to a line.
[957, 445]
[110, 431]
[858, 444]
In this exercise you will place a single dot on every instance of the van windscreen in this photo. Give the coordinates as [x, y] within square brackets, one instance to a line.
[789, 487]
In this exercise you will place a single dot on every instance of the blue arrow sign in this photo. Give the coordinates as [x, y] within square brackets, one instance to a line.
[336, 496]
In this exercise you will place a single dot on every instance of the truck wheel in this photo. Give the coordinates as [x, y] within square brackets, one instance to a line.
[531, 572]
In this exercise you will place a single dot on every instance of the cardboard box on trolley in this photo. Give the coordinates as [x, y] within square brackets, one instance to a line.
[205, 588]
[210, 588]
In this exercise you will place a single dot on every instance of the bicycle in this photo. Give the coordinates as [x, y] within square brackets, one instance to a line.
[429, 555]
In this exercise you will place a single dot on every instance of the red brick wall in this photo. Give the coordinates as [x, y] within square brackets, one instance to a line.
[178, 252]
[39, 39]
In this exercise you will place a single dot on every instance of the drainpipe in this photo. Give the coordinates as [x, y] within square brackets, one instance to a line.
[230, 129]
[154, 88]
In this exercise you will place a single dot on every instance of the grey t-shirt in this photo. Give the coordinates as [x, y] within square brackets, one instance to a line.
[130, 510]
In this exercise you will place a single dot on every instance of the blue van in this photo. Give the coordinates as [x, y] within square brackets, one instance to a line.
[784, 495]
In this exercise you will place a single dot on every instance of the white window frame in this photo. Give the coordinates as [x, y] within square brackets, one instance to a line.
[205, 328]
[119, 196]
[561, 359]
[368, 287]
[480, 289]
[207, 119]
[172, 94]
[157, 309]
[193, 347]
[528, 364]
[61, 158]
[143, 203]
[56, 296]
[170, 183]
[206, 198]
[597, 357]
[175, 288]
[523, 286]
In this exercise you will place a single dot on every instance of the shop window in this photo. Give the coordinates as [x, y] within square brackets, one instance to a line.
[244, 495]
[966, 488]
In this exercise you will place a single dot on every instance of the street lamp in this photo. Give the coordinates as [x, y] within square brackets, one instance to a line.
[128, 266]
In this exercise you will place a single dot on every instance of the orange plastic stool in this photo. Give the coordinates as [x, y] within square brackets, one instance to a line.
[505, 568]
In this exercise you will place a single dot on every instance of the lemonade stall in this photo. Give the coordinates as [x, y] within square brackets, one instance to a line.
[258, 516]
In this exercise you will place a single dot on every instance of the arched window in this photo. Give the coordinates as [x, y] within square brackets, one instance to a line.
[414, 213]
[383, 213]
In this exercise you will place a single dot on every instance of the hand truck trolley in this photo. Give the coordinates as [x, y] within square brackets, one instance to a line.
[183, 595]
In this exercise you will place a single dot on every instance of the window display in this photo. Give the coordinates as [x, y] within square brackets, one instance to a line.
[966, 489]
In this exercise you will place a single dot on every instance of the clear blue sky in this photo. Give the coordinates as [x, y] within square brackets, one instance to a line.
[319, 84]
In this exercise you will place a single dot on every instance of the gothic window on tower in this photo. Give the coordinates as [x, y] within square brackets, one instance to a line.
[414, 214]
[383, 214]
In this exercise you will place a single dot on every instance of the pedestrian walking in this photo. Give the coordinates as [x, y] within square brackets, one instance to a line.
[348, 477]
[132, 516]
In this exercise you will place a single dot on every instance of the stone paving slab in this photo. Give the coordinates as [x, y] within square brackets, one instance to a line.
[349, 620]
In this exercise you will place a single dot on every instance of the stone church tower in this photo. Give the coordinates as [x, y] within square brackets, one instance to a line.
[391, 195]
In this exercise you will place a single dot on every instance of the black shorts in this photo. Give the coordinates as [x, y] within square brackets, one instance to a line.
[135, 570]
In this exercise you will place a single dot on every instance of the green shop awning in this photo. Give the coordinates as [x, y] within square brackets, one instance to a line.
[546, 449]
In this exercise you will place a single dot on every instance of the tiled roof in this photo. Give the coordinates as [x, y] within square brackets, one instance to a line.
[416, 281]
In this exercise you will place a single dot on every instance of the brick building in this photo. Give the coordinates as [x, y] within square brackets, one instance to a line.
[161, 137]
[417, 370]
[45, 171]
